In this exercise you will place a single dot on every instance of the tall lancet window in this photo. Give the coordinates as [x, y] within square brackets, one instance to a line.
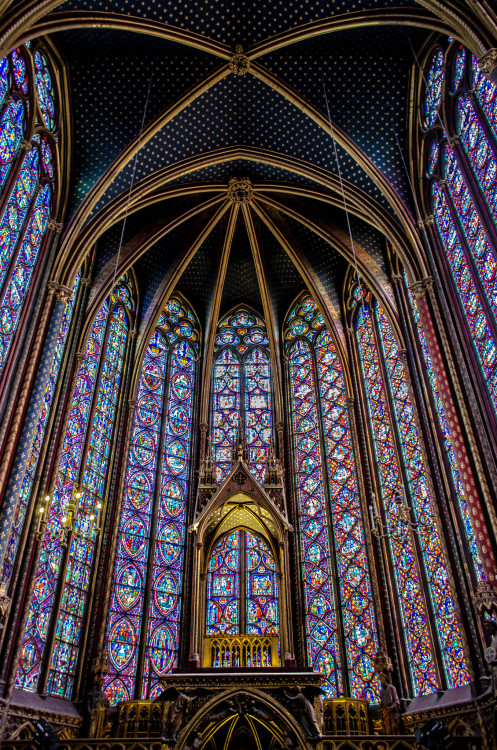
[340, 618]
[241, 392]
[39, 436]
[142, 638]
[29, 176]
[459, 166]
[55, 622]
[417, 554]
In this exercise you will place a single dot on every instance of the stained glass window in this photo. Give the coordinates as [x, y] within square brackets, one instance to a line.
[39, 434]
[330, 517]
[153, 518]
[458, 484]
[27, 205]
[223, 587]
[242, 577]
[241, 392]
[434, 84]
[462, 174]
[435, 564]
[90, 423]
[376, 342]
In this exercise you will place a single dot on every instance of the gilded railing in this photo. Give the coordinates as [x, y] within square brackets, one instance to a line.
[241, 651]
[346, 716]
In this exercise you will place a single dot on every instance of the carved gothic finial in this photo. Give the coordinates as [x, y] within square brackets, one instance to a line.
[101, 667]
[240, 190]
[488, 63]
[383, 663]
[239, 63]
[207, 482]
[274, 478]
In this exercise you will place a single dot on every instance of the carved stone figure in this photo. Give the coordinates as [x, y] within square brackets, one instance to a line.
[490, 628]
[390, 707]
[305, 713]
[176, 714]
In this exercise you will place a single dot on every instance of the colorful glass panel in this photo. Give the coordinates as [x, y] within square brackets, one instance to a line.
[361, 640]
[44, 89]
[11, 130]
[226, 410]
[167, 568]
[257, 410]
[412, 603]
[39, 434]
[51, 553]
[14, 295]
[468, 294]
[19, 70]
[486, 92]
[152, 530]
[241, 392]
[434, 85]
[481, 249]
[16, 211]
[456, 477]
[4, 79]
[223, 587]
[480, 151]
[459, 65]
[423, 506]
[127, 595]
[261, 588]
[80, 563]
[320, 607]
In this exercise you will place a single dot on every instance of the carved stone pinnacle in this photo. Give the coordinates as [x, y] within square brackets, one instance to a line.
[239, 63]
[240, 190]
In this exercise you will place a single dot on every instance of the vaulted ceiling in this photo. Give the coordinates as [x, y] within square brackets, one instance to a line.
[163, 116]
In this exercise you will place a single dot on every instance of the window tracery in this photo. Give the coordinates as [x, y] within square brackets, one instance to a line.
[153, 520]
[335, 568]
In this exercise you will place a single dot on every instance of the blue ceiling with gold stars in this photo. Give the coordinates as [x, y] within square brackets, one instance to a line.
[264, 125]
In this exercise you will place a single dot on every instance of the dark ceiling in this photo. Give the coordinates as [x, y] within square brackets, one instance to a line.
[273, 137]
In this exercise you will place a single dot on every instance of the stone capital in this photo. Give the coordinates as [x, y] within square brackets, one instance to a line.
[427, 221]
[55, 226]
[420, 288]
[488, 63]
